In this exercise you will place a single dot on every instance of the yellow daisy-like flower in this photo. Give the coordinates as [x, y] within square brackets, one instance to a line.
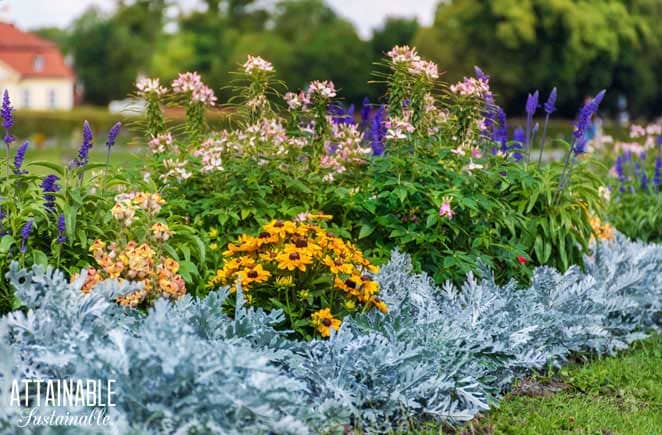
[380, 305]
[323, 321]
[280, 228]
[255, 274]
[213, 233]
[338, 266]
[293, 260]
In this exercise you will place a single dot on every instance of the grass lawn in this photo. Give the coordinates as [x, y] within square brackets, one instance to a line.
[120, 156]
[609, 395]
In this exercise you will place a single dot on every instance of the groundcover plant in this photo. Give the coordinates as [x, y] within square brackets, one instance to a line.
[440, 353]
[313, 269]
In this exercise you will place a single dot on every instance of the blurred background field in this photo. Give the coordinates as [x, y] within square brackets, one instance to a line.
[578, 46]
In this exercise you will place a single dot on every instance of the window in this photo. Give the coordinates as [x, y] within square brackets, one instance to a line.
[38, 63]
[26, 98]
[52, 99]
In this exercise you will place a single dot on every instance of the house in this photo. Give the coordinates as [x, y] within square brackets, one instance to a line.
[34, 72]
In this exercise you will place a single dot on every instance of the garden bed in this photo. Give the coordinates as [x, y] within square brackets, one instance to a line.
[315, 270]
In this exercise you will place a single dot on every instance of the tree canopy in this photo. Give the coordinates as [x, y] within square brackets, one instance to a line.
[579, 46]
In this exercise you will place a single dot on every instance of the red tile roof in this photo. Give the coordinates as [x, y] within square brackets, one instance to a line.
[18, 50]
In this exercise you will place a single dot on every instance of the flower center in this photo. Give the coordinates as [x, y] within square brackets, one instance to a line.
[326, 322]
[252, 274]
[295, 256]
[264, 235]
[351, 284]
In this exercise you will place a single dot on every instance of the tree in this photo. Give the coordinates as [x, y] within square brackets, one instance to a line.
[110, 51]
[325, 47]
[394, 31]
[576, 45]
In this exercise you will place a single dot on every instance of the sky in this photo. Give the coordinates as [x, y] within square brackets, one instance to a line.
[366, 14]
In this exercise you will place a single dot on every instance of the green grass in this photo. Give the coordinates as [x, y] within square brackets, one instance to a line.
[120, 156]
[610, 395]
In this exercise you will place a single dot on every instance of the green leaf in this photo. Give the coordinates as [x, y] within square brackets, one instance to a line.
[39, 258]
[365, 231]
[6, 243]
[50, 165]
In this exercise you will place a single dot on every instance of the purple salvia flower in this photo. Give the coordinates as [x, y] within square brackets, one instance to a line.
[657, 175]
[377, 132]
[481, 75]
[532, 103]
[86, 146]
[25, 234]
[550, 104]
[519, 135]
[583, 121]
[48, 186]
[7, 117]
[61, 229]
[644, 181]
[365, 112]
[19, 157]
[500, 133]
[112, 134]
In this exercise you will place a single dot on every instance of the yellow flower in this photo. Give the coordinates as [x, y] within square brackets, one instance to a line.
[213, 246]
[284, 281]
[280, 228]
[337, 266]
[98, 245]
[171, 265]
[304, 294]
[213, 233]
[293, 261]
[380, 305]
[323, 321]
[255, 274]
[350, 305]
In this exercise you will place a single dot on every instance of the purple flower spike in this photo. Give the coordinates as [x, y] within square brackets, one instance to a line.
[377, 132]
[519, 135]
[25, 234]
[550, 104]
[86, 146]
[481, 75]
[19, 157]
[61, 229]
[112, 134]
[532, 103]
[7, 117]
[365, 112]
[49, 186]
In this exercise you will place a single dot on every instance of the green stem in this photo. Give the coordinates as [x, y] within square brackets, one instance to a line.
[544, 136]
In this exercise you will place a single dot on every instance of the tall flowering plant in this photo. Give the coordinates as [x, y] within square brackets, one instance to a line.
[256, 88]
[48, 219]
[189, 89]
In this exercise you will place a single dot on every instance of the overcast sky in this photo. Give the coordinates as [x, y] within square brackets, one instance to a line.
[366, 14]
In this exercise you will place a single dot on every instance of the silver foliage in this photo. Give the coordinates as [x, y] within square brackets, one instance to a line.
[440, 353]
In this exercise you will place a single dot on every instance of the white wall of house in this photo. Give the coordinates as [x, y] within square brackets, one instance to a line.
[37, 93]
